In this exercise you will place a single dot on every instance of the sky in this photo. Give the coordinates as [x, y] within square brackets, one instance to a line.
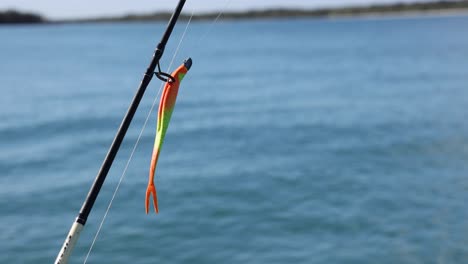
[56, 9]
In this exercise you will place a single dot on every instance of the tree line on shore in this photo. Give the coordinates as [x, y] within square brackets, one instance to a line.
[16, 17]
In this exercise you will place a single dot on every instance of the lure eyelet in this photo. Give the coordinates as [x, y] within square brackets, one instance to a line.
[165, 77]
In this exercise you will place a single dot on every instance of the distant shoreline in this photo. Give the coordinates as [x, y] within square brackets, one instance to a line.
[384, 10]
[408, 14]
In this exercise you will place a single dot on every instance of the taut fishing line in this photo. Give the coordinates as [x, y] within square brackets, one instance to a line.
[146, 121]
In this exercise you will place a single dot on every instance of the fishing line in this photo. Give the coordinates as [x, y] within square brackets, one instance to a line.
[136, 144]
[226, 4]
[147, 119]
[197, 42]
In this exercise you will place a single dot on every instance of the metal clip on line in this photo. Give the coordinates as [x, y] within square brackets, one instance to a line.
[163, 76]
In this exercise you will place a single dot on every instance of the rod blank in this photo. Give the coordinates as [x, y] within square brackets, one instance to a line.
[88, 204]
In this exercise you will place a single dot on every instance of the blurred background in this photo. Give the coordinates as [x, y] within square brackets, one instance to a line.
[306, 131]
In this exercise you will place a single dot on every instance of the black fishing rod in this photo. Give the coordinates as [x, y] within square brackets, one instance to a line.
[73, 235]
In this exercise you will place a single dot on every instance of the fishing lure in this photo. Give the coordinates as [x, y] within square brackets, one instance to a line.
[166, 106]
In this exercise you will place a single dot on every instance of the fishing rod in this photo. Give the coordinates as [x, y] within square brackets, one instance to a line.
[78, 225]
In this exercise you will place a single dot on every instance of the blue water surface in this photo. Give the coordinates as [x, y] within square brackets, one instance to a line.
[293, 141]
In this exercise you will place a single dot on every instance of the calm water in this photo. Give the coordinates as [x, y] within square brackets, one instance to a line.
[302, 141]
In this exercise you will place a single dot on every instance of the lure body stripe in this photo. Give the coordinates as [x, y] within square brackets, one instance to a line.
[165, 109]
